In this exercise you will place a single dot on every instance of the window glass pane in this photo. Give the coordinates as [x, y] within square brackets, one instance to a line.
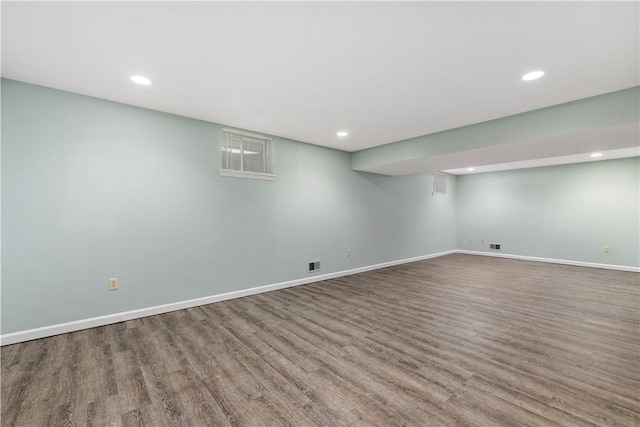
[231, 152]
[241, 152]
[254, 159]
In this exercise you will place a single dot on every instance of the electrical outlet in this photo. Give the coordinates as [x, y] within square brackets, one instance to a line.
[348, 252]
[470, 239]
[482, 241]
[113, 284]
[606, 249]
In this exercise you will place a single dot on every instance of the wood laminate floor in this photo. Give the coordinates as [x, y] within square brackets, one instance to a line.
[456, 340]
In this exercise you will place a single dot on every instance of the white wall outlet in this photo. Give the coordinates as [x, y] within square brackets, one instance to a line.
[113, 284]
[606, 249]
[470, 239]
[482, 241]
[348, 252]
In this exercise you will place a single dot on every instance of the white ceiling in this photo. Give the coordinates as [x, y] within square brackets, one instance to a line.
[384, 71]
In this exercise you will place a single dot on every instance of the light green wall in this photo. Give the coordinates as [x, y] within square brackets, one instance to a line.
[567, 212]
[93, 189]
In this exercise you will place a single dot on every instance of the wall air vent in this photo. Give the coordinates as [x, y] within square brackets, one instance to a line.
[495, 246]
[439, 184]
[314, 266]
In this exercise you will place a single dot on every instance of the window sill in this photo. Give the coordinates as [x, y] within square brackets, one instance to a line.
[250, 175]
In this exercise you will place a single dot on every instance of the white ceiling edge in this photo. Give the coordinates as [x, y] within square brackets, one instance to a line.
[550, 161]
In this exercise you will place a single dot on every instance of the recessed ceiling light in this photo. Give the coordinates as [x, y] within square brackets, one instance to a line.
[342, 133]
[596, 154]
[141, 80]
[533, 75]
[471, 169]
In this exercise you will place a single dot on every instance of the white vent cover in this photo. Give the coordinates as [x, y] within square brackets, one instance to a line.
[439, 184]
[314, 266]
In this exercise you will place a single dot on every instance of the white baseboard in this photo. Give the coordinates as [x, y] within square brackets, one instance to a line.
[62, 328]
[552, 260]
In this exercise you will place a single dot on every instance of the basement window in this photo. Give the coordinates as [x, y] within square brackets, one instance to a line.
[439, 184]
[245, 155]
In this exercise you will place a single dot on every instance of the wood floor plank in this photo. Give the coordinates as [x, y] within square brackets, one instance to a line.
[232, 403]
[132, 387]
[459, 340]
[195, 399]
[157, 380]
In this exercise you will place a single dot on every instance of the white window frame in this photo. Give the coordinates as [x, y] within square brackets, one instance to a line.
[248, 174]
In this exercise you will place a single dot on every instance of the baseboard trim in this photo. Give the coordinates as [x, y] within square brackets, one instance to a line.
[553, 260]
[63, 328]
